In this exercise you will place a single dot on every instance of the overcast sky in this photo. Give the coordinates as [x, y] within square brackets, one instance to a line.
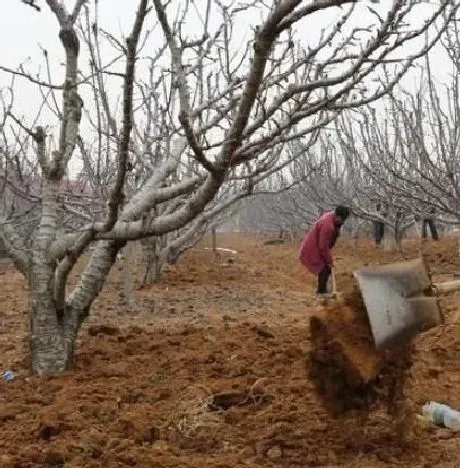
[23, 31]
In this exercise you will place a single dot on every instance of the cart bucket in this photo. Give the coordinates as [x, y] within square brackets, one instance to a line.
[399, 301]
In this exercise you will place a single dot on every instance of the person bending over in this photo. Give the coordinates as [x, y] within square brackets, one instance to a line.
[316, 248]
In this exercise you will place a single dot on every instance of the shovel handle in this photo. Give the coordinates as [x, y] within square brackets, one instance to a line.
[334, 290]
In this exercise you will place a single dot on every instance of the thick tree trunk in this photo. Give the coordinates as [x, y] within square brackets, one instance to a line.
[52, 333]
[51, 341]
[51, 336]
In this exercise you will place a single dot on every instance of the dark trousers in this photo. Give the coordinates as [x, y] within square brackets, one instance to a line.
[433, 231]
[379, 231]
[323, 278]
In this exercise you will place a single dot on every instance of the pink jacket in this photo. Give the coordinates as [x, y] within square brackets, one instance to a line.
[315, 250]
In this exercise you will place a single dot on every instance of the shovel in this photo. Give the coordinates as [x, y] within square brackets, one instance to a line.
[334, 292]
[400, 300]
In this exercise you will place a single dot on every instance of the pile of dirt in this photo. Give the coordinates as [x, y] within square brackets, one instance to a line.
[348, 371]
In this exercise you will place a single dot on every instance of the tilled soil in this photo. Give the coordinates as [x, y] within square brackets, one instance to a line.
[212, 368]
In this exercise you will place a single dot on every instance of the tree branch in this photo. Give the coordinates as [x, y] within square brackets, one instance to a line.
[15, 247]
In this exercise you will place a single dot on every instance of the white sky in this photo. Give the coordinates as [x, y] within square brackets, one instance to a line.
[23, 32]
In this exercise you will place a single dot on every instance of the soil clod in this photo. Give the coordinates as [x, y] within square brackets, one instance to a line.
[348, 371]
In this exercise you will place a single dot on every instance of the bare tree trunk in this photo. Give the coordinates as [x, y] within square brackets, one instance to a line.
[390, 243]
[52, 337]
[128, 276]
[148, 254]
[155, 259]
[53, 332]
[158, 261]
[355, 235]
[418, 229]
[399, 235]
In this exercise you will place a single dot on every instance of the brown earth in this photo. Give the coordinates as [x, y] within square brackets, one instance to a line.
[211, 369]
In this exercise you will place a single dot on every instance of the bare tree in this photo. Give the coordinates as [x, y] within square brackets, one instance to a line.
[167, 152]
[283, 202]
[331, 173]
[374, 196]
[409, 147]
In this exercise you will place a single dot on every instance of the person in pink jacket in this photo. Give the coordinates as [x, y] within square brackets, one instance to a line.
[315, 250]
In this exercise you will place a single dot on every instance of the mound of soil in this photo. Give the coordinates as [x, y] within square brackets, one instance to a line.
[348, 372]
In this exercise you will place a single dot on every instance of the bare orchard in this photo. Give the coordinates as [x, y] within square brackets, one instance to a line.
[210, 368]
